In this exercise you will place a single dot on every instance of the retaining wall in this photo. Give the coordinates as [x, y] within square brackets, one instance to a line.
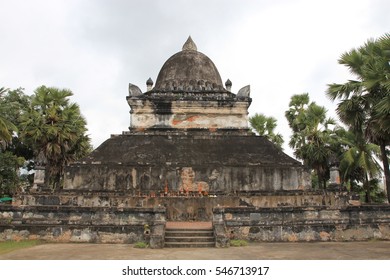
[351, 223]
[83, 224]
[185, 208]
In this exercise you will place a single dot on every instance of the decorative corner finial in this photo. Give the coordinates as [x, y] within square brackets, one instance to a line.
[189, 45]
[228, 85]
[149, 84]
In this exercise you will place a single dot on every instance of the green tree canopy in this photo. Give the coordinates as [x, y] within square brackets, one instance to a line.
[312, 136]
[9, 177]
[265, 126]
[56, 130]
[365, 101]
[7, 127]
[358, 161]
[13, 153]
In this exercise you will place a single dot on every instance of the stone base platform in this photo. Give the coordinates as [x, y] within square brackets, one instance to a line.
[113, 217]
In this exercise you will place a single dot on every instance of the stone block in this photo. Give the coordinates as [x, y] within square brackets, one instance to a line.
[156, 241]
[82, 236]
[255, 216]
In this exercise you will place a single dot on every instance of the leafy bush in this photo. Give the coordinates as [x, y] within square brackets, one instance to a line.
[141, 245]
[9, 165]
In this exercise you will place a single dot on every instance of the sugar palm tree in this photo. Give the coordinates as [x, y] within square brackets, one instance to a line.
[6, 126]
[265, 126]
[312, 134]
[56, 130]
[365, 102]
[358, 162]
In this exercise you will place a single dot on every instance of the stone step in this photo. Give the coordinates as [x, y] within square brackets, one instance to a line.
[189, 244]
[188, 229]
[189, 232]
[189, 239]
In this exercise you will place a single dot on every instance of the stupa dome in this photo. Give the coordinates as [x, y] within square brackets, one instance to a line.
[189, 70]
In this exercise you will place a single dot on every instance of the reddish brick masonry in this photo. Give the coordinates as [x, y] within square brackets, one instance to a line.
[189, 225]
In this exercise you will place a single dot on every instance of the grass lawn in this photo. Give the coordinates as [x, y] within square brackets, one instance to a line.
[8, 246]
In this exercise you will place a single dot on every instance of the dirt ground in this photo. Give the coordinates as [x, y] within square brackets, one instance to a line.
[373, 250]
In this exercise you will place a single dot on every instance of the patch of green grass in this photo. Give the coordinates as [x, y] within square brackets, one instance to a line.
[238, 243]
[9, 246]
[141, 245]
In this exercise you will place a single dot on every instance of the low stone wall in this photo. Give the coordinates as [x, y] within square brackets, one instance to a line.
[180, 208]
[352, 223]
[83, 224]
[186, 208]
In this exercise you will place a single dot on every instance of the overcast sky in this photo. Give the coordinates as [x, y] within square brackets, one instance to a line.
[95, 48]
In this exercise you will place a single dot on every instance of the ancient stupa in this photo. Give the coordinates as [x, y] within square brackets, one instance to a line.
[189, 156]
[188, 133]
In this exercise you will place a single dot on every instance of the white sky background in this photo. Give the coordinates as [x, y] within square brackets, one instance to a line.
[95, 48]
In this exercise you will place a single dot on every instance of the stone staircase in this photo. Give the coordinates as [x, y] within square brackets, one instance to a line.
[189, 235]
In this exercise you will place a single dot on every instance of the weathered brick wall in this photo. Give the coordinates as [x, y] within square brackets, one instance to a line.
[213, 179]
[82, 224]
[182, 208]
[220, 163]
[353, 223]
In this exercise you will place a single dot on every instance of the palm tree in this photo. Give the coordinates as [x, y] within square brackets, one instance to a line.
[312, 134]
[6, 126]
[13, 153]
[265, 126]
[358, 160]
[56, 130]
[365, 102]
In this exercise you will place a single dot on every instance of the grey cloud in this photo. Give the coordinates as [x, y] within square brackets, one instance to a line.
[96, 48]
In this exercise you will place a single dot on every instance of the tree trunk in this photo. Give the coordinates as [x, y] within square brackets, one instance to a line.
[351, 186]
[319, 177]
[386, 170]
[367, 189]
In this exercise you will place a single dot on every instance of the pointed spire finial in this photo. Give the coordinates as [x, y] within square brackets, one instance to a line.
[228, 85]
[149, 84]
[189, 45]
